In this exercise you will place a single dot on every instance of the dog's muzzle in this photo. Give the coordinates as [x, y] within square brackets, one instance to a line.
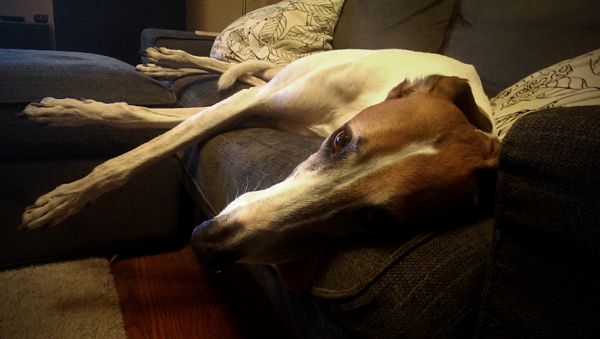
[210, 242]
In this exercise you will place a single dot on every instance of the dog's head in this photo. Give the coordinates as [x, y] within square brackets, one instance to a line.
[417, 154]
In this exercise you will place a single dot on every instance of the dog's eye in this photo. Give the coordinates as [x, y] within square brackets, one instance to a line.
[340, 141]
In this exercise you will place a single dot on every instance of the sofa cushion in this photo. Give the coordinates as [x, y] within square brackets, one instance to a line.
[201, 90]
[571, 82]
[545, 270]
[24, 139]
[34, 159]
[423, 287]
[249, 159]
[142, 215]
[410, 24]
[507, 42]
[429, 280]
[280, 33]
[30, 75]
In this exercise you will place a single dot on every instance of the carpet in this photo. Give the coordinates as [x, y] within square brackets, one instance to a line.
[75, 299]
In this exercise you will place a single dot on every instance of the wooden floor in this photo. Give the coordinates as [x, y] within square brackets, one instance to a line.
[171, 295]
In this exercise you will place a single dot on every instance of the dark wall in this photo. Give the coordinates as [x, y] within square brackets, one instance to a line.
[112, 27]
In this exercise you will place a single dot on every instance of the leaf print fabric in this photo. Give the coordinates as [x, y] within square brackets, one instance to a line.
[572, 82]
[280, 33]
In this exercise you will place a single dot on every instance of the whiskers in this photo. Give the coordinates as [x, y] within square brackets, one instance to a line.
[246, 189]
[259, 182]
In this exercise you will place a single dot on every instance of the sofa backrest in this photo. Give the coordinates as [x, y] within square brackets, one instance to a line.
[504, 40]
[409, 24]
[507, 40]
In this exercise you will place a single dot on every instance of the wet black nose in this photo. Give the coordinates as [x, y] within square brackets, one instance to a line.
[212, 242]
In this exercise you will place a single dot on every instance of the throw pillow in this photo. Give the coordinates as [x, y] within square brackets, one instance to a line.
[280, 33]
[572, 82]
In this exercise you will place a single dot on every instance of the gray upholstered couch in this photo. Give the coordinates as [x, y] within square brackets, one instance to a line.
[530, 267]
[35, 158]
[445, 281]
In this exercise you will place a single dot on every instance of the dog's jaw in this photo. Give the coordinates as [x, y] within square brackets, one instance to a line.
[275, 225]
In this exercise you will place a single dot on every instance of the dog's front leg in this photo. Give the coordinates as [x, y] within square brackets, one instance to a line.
[72, 112]
[164, 73]
[68, 199]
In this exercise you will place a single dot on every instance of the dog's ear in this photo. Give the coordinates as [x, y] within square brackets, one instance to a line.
[459, 92]
[401, 90]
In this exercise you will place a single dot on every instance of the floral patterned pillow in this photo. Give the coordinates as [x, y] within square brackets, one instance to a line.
[280, 33]
[572, 82]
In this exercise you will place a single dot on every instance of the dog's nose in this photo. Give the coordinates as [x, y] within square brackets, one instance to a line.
[210, 242]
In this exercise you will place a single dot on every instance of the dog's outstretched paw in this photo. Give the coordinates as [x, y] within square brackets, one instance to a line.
[52, 208]
[63, 112]
[168, 58]
[163, 73]
[72, 112]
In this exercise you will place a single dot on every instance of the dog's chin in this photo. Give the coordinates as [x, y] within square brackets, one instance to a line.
[296, 275]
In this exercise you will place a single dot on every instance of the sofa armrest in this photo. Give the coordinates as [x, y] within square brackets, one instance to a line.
[190, 42]
[547, 247]
[548, 183]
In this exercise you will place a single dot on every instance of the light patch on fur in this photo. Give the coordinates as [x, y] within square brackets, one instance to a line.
[261, 209]
[426, 147]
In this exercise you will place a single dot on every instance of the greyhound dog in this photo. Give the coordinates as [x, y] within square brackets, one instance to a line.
[404, 132]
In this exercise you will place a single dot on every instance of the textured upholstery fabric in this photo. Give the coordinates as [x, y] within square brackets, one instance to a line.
[507, 42]
[29, 75]
[410, 24]
[201, 90]
[547, 260]
[421, 287]
[249, 159]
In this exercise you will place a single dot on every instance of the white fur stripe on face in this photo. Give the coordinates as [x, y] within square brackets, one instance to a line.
[261, 208]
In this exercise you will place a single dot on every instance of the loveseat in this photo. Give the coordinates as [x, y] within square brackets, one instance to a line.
[528, 266]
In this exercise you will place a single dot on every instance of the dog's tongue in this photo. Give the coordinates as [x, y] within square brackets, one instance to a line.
[296, 275]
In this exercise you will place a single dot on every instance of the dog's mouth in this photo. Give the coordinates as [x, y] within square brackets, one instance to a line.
[297, 275]
[209, 241]
[214, 243]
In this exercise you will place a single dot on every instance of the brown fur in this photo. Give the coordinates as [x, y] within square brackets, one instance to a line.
[428, 111]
